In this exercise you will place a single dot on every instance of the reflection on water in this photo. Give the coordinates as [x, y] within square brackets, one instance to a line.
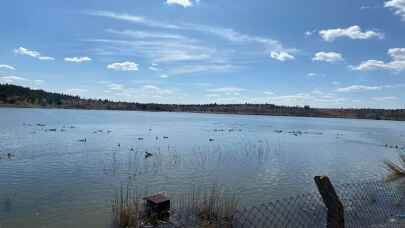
[60, 168]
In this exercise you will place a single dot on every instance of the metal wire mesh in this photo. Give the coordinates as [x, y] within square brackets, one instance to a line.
[371, 204]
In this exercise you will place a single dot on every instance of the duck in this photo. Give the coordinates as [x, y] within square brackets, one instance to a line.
[165, 137]
[132, 149]
[83, 140]
[147, 154]
[140, 138]
[211, 140]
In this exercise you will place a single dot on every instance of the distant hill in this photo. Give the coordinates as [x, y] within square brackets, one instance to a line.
[18, 96]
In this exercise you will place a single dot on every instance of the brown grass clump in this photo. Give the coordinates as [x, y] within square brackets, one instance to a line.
[396, 171]
[212, 208]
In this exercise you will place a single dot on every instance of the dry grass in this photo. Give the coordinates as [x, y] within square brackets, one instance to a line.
[212, 208]
[209, 209]
[396, 171]
[127, 210]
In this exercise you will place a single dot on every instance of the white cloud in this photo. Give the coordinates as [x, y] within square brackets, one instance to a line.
[329, 57]
[397, 63]
[155, 90]
[398, 6]
[8, 67]
[194, 54]
[31, 53]
[225, 33]
[315, 98]
[313, 75]
[163, 51]
[281, 56]
[269, 93]
[226, 90]
[78, 59]
[76, 91]
[184, 3]
[198, 68]
[131, 18]
[17, 80]
[353, 32]
[389, 98]
[359, 88]
[12, 79]
[164, 76]
[147, 34]
[124, 66]
[152, 68]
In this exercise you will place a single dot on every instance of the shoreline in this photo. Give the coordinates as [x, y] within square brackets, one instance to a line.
[193, 112]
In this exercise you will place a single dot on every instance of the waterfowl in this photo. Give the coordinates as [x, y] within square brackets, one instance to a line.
[132, 149]
[147, 154]
[165, 137]
[211, 140]
[140, 138]
[83, 140]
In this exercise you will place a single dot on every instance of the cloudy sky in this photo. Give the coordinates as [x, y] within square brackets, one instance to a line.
[324, 53]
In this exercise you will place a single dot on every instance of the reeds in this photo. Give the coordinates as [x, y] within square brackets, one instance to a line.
[127, 210]
[396, 171]
[211, 208]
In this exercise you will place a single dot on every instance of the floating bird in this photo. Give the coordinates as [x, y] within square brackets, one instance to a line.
[140, 138]
[157, 138]
[83, 140]
[9, 155]
[132, 149]
[147, 154]
[118, 144]
[165, 137]
[211, 140]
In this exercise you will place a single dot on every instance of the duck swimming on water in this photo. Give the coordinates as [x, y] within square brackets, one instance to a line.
[147, 154]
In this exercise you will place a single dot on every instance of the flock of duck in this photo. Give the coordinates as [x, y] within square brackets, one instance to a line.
[148, 154]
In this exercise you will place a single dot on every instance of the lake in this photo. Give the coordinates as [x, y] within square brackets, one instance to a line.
[55, 179]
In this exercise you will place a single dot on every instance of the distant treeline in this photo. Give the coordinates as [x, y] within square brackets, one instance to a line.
[18, 96]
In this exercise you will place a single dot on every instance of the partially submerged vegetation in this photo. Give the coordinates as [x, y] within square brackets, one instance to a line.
[127, 210]
[17, 96]
[212, 208]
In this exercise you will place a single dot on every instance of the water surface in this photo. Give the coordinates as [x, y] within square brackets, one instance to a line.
[55, 180]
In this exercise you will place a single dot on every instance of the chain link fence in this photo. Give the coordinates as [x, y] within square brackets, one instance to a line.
[371, 204]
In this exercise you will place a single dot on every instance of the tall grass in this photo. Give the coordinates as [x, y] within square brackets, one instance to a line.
[212, 208]
[127, 210]
[208, 209]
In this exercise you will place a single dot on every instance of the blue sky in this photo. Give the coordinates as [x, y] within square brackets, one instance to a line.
[321, 53]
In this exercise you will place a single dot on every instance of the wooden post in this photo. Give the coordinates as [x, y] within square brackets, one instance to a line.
[332, 202]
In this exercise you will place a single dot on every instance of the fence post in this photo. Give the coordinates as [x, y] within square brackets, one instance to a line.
[332, 202]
